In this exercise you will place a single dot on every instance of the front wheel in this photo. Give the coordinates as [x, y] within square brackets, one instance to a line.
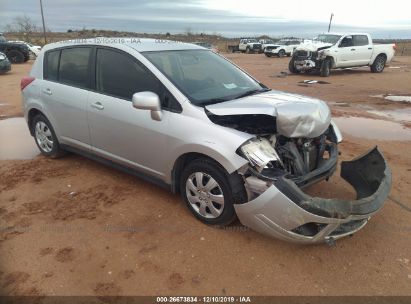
[379, 64]
[325, 68]
[281, 53]
[291, 67]
[15, 56]
[267, 54]
[210, 192]
[45, 137]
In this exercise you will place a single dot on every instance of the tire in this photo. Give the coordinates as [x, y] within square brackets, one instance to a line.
[288, 54]
[15, 56]
[247, 50]
[325, 68]
[45, 137]
[281, 53]
[267, 54]
[378, 64]
[198, 195]
[291, 67]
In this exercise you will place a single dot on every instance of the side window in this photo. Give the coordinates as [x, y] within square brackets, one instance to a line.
[360, 40]
[51, 65]
[119, 75]
[73, 68]
[346, 42]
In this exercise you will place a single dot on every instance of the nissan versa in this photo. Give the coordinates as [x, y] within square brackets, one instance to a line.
[187, 118]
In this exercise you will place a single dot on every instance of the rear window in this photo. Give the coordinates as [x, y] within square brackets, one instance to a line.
[73, 68]
[360, 40]
[52, 65]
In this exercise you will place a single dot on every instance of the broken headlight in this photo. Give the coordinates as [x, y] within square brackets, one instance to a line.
[259, 152]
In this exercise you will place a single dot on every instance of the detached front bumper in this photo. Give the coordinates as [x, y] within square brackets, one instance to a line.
[284, 211]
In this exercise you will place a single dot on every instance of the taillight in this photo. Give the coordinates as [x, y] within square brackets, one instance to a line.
[394, 46]
[25, 81]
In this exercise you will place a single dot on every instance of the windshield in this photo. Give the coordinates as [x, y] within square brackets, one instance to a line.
[328, 38]
[203, 76]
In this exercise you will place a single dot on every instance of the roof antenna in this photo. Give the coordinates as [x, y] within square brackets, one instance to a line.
[331, 19]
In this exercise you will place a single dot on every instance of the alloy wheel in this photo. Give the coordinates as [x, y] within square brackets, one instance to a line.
[43, 136]
[205, 195]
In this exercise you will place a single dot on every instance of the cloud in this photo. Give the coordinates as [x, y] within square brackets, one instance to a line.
[224, 17]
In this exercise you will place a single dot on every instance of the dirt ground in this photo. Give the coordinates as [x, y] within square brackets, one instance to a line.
[74, 227]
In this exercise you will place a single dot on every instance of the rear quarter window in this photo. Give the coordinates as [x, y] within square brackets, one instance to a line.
[73, 69]
[51, 65]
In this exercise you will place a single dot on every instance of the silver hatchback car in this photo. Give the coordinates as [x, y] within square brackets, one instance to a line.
[187, 118]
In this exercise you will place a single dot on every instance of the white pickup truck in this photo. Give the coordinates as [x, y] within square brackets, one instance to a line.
[282, 48]
[250, 45]
[333, 51]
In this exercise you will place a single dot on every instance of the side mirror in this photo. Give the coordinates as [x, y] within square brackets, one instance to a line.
[148, 101]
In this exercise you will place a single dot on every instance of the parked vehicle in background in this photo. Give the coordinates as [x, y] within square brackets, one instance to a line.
[250, 45]
[206, 45]
[265, 43]
[34, 49]
[189, 119]
[282, 48]
[5, 65]
[15, 52]
[334, 50]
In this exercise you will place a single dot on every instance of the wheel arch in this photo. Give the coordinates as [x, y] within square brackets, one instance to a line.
[30, 116]
[184, 159]
[332, 60]
[380, 54]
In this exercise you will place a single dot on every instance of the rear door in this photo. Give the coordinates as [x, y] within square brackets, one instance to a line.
[363, 49]
[65, 90]
[118, 131]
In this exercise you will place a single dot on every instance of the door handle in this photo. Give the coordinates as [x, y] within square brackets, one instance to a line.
[97, 105]
[370, 48]
[47, 91]
[352, 49]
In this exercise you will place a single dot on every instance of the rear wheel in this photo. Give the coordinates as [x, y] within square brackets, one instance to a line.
[247, 50]
[45, 137]
[379, 64]
[15, 56]
[291, 67]
[210, 192]
[325, 68]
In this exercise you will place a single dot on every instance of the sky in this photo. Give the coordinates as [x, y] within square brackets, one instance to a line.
[232, 18]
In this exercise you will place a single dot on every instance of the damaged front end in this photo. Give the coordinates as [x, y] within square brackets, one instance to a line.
[295, 144]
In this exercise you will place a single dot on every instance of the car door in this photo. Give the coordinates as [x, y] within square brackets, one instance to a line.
[64, 91]
[346, 52]
[363, 49]
[118, 131]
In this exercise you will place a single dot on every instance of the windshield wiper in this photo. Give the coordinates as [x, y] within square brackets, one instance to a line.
[252, 92]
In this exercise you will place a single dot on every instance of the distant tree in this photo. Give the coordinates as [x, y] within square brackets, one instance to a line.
[24, 26]
[69, 31]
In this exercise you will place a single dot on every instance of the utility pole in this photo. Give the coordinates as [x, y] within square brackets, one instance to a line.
[329, 25]
[42, 18]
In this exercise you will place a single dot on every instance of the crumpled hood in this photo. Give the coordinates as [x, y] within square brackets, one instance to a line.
[296, 115]
[313, 46]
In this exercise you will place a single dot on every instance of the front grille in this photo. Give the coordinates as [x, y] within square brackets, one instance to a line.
[256, 46]
[301, 54]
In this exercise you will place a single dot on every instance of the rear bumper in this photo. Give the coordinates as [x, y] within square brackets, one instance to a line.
[285, 212]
